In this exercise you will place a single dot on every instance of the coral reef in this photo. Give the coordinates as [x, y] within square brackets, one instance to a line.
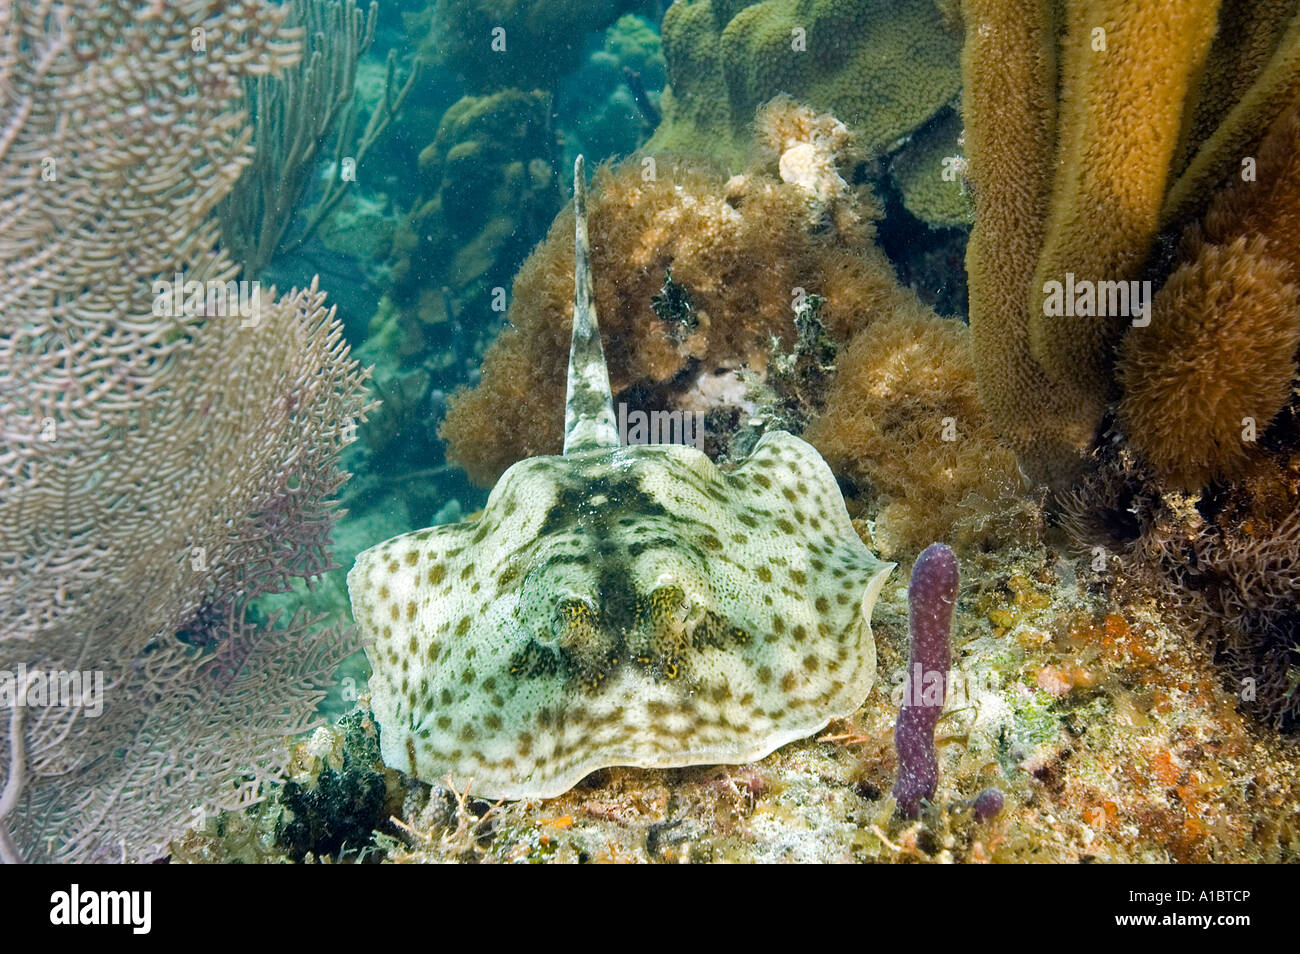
[334, 806]
[1215, 366]
[1062, 190]
[487, 177]
[928, 172]
[1132, 753]
[901, 421]
[336, 793]
[1109, 186]
[487, 192]
[606, 107]
[1197, 493]
[666, 647]
[904, 425]
[492, 45]
[741, 248]
[1116, 691]
[931, 599]
[1221, 560]
[170, 449]
[292, 114]
[881, 68]
[1008, 107]
[795, 386]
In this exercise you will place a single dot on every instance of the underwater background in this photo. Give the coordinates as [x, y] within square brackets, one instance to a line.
[1024, 275]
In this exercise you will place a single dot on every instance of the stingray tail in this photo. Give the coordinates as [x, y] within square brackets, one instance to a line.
[588, 407]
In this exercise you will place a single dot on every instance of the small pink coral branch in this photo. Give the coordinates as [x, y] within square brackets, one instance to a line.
[931, 597]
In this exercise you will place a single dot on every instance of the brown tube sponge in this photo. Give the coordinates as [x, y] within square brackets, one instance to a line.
[1268, 206]
[1249, 35]
[1118, 126]
[1250, 77]
[1220, 348]
[1009, 107]
[1074, 165]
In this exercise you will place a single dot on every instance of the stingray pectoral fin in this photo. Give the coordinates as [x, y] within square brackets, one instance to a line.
[869, 596]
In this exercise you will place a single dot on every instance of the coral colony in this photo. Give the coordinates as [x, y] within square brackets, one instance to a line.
[169, 437]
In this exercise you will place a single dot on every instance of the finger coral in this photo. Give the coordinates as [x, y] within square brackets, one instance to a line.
[741, 249]
[1217, 359]
[881, 68]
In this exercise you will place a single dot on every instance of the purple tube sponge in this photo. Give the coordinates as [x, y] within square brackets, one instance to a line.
[987, 804]
[931, 597]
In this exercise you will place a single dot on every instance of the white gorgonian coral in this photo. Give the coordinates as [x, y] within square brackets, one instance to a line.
[157, 471]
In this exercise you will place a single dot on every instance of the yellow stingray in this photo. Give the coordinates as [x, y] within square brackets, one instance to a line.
[618, 606]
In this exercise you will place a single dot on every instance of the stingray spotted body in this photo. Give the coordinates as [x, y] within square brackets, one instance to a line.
[618, 606]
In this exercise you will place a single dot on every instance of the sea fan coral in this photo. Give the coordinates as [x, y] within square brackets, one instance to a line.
[160, 467]
[1215, 365]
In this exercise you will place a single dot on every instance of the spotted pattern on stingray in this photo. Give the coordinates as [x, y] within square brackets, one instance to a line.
[618, 606]
[608, 629]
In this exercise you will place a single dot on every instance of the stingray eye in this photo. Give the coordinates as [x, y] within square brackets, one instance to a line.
[692, 610]
[575, 621]
[669, 604]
